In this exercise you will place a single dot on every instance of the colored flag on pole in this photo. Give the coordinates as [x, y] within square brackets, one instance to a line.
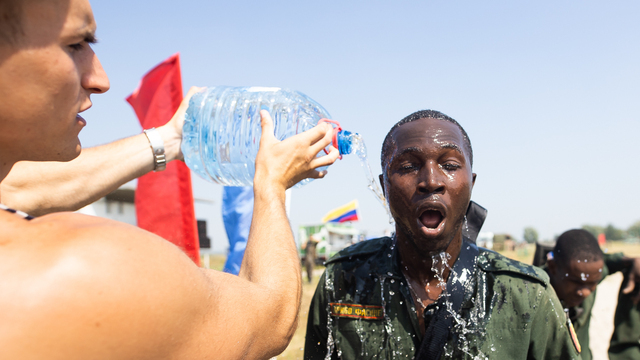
[237, 212]
[164, 199]
[348, 212]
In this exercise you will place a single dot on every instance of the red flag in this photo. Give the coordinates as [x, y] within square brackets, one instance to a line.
[602, 239]
[164, 200]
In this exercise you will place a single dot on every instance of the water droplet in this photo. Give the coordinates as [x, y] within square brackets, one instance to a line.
[392, 281]
[391, 293]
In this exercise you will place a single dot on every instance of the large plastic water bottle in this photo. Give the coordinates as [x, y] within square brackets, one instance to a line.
[221, 132]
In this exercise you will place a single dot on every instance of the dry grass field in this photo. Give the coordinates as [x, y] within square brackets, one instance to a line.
[603, 310]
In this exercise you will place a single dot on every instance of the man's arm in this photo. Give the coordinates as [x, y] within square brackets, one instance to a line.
[40, 188]
[106, 290]
[618, 262]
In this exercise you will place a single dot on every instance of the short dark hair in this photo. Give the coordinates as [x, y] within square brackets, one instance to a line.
[10, 22]
[422, 114]
[576, 244]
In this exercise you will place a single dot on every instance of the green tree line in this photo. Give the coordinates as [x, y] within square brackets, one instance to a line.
[613, 233]
[610, 232]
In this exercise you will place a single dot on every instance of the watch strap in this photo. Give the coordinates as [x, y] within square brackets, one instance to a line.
[157, 146]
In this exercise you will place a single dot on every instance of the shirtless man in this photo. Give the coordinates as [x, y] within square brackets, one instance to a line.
[80, 287]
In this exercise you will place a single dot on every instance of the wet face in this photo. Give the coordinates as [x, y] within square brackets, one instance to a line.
[47, 78]
[575, 281]
[428, 182]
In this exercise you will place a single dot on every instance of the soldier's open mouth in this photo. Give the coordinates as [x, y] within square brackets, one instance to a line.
[431, 218]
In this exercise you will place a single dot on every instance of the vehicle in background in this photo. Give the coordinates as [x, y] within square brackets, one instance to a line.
[335, 237]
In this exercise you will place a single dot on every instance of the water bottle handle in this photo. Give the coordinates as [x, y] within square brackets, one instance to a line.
[336, 130]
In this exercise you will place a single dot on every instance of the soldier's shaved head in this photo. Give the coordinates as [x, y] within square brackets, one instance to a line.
[576, 244]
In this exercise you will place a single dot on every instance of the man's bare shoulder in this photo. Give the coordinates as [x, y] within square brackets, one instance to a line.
[85, 283]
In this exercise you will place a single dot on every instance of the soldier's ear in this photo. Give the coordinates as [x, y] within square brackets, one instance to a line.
[381, 179]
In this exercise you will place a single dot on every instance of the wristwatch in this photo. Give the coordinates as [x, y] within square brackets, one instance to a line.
[157, 146]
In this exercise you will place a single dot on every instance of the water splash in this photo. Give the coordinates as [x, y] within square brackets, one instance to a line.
[465, 329]
[361, 152]
[328, 285]
[396, 346]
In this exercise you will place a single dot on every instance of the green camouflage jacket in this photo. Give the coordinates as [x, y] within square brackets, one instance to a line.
[362, 309]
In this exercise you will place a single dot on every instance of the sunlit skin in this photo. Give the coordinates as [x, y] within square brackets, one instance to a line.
[47, 79]
[428, 182]
[575, 281]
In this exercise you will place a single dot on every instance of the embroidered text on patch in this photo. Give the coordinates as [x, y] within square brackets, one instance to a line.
[368, 312]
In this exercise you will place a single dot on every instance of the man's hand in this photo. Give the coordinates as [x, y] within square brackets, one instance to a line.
[171, 132]
[285, 163]
[634, 276]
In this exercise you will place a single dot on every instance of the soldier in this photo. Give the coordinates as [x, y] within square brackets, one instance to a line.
[428, 292]
[625, 340]
[310, 255]
[576, 266]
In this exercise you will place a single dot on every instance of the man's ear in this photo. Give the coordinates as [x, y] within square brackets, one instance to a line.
[473, 181]
[381, 179]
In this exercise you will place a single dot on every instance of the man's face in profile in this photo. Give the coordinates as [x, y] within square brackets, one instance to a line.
[47, 76]
[428, 183]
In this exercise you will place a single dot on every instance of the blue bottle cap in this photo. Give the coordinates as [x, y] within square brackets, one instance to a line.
[344, 142]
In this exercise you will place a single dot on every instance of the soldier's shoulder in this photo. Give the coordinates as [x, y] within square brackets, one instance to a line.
[361, 250]
[491, 261]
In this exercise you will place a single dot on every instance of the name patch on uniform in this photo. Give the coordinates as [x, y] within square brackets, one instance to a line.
[368, 312]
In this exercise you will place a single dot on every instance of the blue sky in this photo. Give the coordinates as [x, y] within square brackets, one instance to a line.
[548, 91]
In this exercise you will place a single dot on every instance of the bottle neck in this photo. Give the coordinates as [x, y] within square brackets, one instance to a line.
[345, 142]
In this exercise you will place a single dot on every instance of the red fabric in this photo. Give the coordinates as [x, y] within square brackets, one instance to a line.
[164, 200]
[602, 240]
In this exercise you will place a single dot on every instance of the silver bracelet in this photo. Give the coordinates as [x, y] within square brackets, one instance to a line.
[157, 146]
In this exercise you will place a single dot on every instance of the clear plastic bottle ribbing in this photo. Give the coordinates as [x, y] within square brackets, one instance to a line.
[221, 132]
